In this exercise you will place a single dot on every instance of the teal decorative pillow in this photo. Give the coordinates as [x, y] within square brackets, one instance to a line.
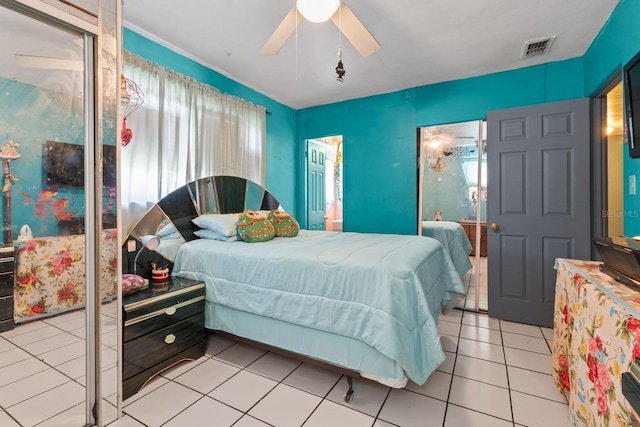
[284, 224]
[253, 228]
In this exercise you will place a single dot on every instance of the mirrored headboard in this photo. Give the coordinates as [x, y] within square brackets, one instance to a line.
[170, 218]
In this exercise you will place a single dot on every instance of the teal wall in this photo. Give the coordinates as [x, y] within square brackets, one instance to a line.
[380, 170]
[448, 192]
[281, 158]
[30, 116]
[380, 186]
[458, 101]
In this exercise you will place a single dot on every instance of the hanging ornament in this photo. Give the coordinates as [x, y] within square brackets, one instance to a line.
[131, 97]
[340, 71]
[126, 134]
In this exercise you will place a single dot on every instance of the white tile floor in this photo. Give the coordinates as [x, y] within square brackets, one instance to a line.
[42, 370]
[476, 280]
[496, 373]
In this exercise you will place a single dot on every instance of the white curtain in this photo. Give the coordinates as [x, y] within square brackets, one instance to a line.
[184, 130]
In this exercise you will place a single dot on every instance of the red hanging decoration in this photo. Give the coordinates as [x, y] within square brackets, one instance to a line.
[126, 134]
[131, 97]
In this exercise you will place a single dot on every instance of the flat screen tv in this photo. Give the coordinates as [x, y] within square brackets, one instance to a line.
[64, 164]
[109, 162]
[631, 88]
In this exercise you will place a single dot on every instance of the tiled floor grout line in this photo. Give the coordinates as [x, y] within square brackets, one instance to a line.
[453, 370]
[241, 370]
[506, 368]
[11, 416]
[377, 417]
[458, 321]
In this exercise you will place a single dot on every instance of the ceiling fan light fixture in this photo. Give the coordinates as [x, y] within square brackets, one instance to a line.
[317, 10]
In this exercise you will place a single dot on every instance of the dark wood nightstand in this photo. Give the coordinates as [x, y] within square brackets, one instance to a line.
[7, 275]
[162, 327]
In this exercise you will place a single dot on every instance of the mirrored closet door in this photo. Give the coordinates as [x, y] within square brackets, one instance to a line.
[453, 196]
[58, 331]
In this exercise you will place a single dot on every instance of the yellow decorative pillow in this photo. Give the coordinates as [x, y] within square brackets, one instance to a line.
[253, 228]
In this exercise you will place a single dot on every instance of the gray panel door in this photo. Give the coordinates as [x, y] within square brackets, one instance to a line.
[539, 198]
[316, 191]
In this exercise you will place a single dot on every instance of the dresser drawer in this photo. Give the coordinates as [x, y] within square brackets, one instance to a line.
[146, 302]
[151, 349]
[7, 264]
[6, 325]
[6, 308]
[132, 385]
[164, 316]
[6, 284]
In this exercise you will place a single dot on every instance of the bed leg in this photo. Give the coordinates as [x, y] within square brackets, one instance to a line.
[347, 397]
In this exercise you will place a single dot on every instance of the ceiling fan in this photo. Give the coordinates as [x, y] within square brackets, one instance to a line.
[320, 11]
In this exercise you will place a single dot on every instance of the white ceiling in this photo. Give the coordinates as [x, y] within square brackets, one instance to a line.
[423, 41]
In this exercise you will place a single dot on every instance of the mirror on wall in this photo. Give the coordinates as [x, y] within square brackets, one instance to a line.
[453, 199]
[46, 334]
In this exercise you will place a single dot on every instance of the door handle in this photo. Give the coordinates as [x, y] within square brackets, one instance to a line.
[495, 226]
[325, 218]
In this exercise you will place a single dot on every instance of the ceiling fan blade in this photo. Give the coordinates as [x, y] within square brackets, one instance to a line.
[354, 31]
[31, 61]
[282, 33]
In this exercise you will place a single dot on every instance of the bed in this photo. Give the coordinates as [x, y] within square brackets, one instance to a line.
[364, 303]
[455, 241]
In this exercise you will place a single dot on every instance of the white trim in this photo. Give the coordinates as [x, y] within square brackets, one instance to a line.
[61, 15]
[164, 43]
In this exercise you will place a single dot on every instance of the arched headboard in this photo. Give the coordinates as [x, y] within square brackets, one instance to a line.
[216, 194]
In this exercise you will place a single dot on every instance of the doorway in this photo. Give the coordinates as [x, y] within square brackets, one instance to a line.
[324, 183]
[540, 209]
[615, 213]
[453, 170]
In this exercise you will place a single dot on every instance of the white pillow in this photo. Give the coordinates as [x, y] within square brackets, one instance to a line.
[208, 234]
[224, 224]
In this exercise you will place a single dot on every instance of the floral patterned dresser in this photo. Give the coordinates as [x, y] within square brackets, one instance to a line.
[50, 274]
[596, 337]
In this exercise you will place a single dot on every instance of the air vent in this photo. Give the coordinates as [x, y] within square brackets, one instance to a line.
[536, 47]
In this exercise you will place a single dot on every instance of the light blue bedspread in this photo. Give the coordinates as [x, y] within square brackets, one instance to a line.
[385, 290]
[455, 241]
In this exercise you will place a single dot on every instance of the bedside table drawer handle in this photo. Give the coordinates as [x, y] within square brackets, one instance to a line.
[169, 339]
[170, 311]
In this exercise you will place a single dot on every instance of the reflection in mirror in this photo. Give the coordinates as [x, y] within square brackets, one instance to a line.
[180, 208]
[255, 195]
[43, 109]
[231, 193]
[170, 218]
[204, 194]
[153, 223]
[453, 195]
